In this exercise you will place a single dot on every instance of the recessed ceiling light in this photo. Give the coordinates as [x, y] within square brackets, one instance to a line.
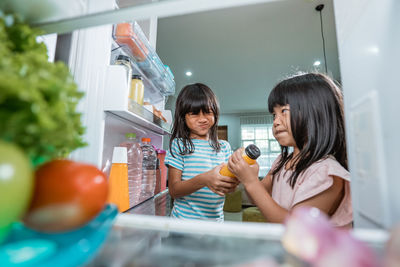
[317, 63]
[188, 73]
[373, 49]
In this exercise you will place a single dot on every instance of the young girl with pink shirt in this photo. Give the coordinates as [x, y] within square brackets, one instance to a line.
[308, 117]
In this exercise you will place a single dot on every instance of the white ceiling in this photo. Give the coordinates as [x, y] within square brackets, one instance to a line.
[242, 52]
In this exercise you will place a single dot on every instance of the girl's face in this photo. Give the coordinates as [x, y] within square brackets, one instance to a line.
[281, 126]
[199, 124]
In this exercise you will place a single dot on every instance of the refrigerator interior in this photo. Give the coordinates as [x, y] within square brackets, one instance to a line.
[369, 38]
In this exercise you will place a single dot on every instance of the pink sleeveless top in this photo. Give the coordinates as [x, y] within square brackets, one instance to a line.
[314, 180]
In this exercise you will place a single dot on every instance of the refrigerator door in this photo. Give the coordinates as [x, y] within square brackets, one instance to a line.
[368, 40]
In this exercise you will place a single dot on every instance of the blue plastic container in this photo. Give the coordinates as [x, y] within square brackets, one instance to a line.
[26, 247]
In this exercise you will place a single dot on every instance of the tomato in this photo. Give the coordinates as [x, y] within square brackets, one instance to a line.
[67, 195]
[16, 185]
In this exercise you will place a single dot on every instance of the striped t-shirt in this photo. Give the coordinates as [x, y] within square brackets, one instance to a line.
[202, 204]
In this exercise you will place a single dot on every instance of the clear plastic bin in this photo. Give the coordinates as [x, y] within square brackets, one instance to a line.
[165, 85]
[158, 63]
[131, 36]
[149, 69]
[134, 43]
[169, 72]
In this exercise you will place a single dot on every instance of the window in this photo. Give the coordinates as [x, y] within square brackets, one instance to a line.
[261, 136]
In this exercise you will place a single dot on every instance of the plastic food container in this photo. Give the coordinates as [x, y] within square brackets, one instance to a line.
[134, 43]
[131, 36]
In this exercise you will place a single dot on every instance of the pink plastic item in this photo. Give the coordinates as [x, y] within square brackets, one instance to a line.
[310, 236]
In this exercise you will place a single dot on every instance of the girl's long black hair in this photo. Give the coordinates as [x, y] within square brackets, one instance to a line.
[316, 118]
[194, 98]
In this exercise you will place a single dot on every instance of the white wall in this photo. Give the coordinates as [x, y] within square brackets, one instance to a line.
[233, 123]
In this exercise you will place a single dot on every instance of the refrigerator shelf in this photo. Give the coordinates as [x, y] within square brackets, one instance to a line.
[116, 101]
[143, 117]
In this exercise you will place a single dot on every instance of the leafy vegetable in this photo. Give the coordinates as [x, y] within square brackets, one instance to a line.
[38, 98]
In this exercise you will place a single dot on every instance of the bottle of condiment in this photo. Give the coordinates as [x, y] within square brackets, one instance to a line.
[137, 89]
[126, 62]
[251, 153]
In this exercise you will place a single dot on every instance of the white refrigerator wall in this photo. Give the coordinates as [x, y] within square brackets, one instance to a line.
[90, 53]
[368, 35]
[89, 59]
[89, 56]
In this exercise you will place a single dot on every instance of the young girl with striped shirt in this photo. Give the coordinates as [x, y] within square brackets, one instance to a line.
[195, 157]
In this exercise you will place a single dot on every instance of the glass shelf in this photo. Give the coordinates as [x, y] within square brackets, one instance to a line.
[139, 240]
[142, 240]
[143, 117]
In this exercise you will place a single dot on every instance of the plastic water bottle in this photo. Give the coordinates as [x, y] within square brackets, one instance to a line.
[134, 167]
[148, 169]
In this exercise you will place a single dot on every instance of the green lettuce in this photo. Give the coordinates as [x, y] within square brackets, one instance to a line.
[38, 99]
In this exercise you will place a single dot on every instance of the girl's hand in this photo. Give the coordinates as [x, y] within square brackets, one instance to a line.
[219, 184]
[244, 172]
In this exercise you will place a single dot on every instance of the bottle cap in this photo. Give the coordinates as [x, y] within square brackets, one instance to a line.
[123, 57]
[252, 151]
[130, 135]
[120, 155]
[144, 139]
[136, 76]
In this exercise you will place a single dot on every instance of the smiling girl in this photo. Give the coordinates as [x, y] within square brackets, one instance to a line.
[308, 117]
[196, 155]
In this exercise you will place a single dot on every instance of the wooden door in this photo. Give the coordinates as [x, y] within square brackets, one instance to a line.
[223, 132]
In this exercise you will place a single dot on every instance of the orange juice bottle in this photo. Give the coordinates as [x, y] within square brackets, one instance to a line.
[118, 180]
[251, 153]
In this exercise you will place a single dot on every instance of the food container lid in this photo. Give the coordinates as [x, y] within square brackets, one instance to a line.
[130, 135]
[137, 76]
[123, 57]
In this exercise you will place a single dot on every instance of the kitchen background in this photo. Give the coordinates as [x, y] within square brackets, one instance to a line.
[241, 53]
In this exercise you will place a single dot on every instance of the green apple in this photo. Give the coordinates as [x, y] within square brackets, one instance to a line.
[16, 185]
